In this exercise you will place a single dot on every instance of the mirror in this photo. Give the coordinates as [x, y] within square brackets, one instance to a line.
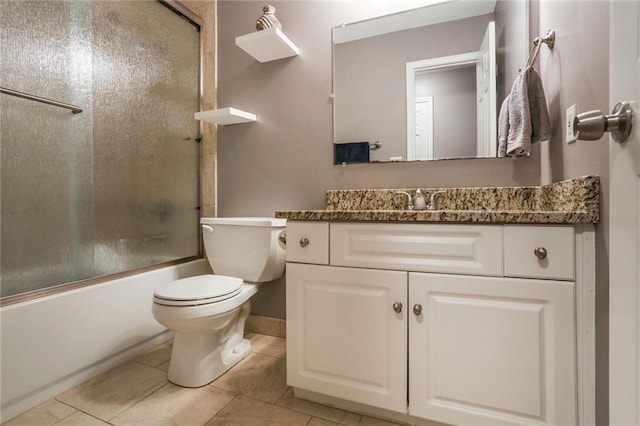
[427, 83]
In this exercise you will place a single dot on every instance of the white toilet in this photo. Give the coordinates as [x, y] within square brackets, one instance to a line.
[208, 312]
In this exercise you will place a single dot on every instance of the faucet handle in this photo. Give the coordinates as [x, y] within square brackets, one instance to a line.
[433, 201]
[409, 204]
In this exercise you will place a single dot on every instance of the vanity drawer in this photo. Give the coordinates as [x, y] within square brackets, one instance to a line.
[539, 252]
[308, 242]
[456, 249]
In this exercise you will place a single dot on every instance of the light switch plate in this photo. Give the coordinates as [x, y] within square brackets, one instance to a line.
[570, 135]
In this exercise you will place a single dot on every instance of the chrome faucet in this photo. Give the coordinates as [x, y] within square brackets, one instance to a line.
[409, 204]
[433, 201]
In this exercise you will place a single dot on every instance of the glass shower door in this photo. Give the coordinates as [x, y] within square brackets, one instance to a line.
[145, 155]
[111, 189]
[47, 220]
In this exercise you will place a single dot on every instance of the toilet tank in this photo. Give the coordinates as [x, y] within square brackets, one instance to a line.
[244, 247]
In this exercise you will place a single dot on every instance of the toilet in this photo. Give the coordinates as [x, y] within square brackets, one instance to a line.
[207, 312]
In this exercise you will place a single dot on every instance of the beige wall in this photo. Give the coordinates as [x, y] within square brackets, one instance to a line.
[284, 160]
[577, 71]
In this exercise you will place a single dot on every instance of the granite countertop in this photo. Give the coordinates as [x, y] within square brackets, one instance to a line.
[570, 201]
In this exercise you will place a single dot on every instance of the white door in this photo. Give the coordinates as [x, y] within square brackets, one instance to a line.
[344, 337]
[491, 351]
[424, 128]
[487, 145]
[624, 226]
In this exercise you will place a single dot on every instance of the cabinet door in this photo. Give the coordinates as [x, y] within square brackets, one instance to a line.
[344, 337]
[492, 350]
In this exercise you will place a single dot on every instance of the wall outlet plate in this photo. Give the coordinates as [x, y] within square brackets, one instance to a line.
[570, 134]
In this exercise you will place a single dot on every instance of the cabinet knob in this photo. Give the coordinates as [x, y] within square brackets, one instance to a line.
[397, 307]
[540, 252]
[304, 242]
[417, 309]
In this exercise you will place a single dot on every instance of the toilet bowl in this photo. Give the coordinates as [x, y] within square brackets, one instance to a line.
[207, 312]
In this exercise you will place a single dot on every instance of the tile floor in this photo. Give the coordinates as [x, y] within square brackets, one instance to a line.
[254, 392]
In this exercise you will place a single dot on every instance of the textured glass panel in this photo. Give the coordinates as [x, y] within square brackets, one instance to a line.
[146, 160]
[46, 166]
[115, 187]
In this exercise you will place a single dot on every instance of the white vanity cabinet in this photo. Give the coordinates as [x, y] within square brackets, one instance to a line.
[461, 324]
[349, 342]
[491, 351]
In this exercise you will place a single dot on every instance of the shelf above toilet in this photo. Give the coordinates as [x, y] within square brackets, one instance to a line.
[267, 45]
[225, 116]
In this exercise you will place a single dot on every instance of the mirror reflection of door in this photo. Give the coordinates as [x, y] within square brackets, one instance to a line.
[422, 146]
[465, 109]
[451, 83]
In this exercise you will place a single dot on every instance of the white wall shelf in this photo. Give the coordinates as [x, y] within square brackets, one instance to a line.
[267, 45]
[225, 116]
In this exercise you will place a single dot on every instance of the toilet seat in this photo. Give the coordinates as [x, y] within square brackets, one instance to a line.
[198, 290]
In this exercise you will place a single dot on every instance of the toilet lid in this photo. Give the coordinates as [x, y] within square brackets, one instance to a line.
[198, 290]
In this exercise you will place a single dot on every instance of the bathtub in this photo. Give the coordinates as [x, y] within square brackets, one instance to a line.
[51, 344]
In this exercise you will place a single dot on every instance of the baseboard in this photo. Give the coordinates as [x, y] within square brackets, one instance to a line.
[266, 325]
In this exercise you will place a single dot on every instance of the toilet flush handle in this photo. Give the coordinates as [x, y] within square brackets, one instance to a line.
[207, 228]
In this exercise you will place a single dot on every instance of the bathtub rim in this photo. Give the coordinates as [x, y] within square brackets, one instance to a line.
[73, 285]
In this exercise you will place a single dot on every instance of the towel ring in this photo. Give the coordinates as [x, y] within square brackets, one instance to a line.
[549, 39]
